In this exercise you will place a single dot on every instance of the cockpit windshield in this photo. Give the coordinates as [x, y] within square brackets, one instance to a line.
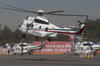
[41, 21]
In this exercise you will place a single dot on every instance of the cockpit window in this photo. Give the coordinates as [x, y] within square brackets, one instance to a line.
[29, 25]
[40, 21]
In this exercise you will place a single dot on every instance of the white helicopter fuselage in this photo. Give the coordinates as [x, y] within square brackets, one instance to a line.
[39, 26]
[37, 29]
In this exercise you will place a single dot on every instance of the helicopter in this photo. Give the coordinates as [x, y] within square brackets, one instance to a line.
[41, 27]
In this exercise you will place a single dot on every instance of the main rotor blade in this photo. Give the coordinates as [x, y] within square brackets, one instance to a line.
[68, 15]
[10, 7]
[15, 9]
[54, 12]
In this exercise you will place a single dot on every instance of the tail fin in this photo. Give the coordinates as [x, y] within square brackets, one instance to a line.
[81, 28]
[81, 25]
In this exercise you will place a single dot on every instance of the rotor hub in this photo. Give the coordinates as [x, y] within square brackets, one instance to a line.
[40, 11]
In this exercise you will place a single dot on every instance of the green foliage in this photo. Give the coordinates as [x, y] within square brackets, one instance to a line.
[7, 36]
[92, 30]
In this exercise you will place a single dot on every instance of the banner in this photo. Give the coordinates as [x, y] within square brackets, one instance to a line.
[54, 47]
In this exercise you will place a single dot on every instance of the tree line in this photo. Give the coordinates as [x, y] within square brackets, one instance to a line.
[92, 30]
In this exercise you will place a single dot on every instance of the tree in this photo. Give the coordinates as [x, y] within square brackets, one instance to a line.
[17, 36]
[92, 30]
[7, 35]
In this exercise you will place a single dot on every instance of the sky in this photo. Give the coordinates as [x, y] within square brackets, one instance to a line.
[12, 18]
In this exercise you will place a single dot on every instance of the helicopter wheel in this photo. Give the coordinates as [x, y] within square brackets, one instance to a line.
[49, 39]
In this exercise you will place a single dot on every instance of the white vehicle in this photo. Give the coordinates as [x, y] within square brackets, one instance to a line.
[23, 48]
[96, 46]
[83, 47]
[40, 26]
